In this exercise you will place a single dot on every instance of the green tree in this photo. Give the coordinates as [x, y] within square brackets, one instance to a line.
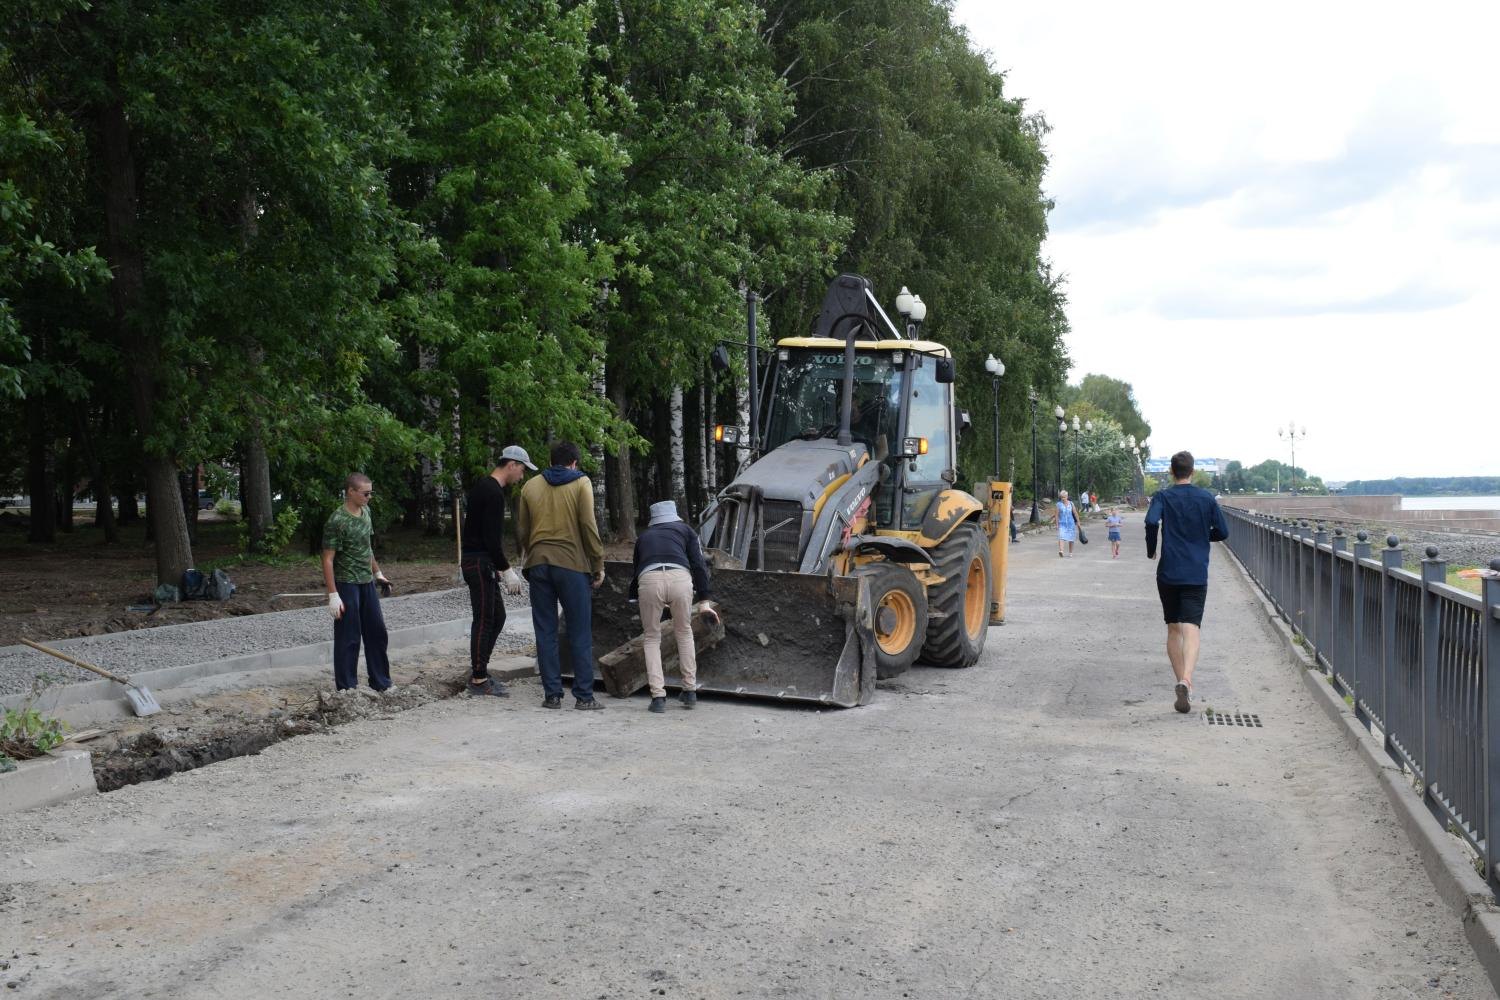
[1113, 397]
[940, 171]
[707, 204]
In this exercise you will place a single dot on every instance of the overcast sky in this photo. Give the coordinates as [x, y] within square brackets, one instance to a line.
[1274, 212]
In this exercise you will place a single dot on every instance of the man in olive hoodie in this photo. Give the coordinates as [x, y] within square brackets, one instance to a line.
[564, 561]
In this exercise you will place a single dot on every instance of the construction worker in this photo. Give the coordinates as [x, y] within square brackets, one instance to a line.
[670, 572]
[485, 568]
[564, 561]
[351, 575]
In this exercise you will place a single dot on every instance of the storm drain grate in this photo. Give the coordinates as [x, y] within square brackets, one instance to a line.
[1245, 719]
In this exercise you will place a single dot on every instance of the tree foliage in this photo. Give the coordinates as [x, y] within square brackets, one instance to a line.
[1269, 476]
[397, 236]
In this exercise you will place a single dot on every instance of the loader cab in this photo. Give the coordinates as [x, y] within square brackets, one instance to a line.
[899, 393]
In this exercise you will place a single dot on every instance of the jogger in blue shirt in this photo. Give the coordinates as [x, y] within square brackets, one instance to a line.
[1188, 518]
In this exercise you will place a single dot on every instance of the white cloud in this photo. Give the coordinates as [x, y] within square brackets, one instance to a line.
[1290, 211]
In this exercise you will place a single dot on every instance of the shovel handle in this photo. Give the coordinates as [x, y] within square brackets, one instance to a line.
[77, 663]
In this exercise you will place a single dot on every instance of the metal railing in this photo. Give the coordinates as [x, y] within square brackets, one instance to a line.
[1414, 656]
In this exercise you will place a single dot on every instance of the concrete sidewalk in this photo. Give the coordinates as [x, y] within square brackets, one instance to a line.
[1040, 825]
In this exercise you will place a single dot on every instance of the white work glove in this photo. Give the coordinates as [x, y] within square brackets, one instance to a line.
[335, 606]
[511, 581]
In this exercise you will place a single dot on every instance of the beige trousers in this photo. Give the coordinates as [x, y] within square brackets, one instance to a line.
[668, 588]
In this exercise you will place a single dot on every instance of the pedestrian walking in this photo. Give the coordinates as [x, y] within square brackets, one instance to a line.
[564, 562]
[1067, 524]
[1187, 518]
[669, 572]
[351, 575]
[485, 568]
[1113, 522]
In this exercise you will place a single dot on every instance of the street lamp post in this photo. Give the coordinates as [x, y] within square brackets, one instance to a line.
[1062, 427]
[996, 368]
[1292, 434]
[1077, 489]
[1035, 516]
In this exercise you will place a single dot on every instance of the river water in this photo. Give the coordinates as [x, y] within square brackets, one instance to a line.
[1450, 503]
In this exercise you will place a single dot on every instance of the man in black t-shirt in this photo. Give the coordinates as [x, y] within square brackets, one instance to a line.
[485, 567]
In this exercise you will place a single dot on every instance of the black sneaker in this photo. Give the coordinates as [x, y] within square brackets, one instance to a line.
[488, 686]
[552, 701]
[658, 705]
[592, 705]
[1181, 703]
[689, 699]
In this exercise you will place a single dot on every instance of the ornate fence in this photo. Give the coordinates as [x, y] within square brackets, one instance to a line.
[1414, 656]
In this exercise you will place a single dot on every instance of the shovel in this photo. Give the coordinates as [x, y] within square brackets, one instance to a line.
[142, 701]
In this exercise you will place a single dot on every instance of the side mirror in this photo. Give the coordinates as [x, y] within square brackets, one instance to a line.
[945, 371]
[719, 359]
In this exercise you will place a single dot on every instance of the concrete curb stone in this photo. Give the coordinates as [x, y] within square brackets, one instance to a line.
[314, 654]
[57, 777]
[1444, 859]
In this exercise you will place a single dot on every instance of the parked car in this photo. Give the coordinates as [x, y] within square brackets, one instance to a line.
[205, 501]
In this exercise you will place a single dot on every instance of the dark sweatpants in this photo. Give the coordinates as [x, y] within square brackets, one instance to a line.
[361, 619]
[489, 610]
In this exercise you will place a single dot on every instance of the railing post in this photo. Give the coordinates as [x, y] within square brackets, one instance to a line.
[1304, 592]
[1283, 553]
[1359, 671]
[1319, 640]
[1390, 558]
[1489, 617]
[1294, 578]
[1434, 570]
[1336, 652]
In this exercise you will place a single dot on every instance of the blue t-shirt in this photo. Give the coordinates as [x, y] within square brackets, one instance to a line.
[1188, 518]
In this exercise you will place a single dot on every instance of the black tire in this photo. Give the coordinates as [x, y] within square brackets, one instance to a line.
[957, 637]
[898, 603]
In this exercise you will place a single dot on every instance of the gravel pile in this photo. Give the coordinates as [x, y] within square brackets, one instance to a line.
[197, 642]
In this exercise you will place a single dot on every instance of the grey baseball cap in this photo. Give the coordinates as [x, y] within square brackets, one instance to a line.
[518, 454]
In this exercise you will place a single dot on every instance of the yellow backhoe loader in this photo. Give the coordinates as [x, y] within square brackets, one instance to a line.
[843, 551]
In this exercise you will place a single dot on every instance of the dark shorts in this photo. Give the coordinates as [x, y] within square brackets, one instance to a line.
[1181, 603]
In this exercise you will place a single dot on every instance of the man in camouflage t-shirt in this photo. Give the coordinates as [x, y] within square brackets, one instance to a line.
[351, 574]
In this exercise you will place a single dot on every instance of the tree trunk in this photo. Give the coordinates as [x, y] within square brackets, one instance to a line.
[174, 552]
[679, 452]
[40, 472]
[130, 511]
[705, 477]
[67, 480]
[432, 468]
[255, 481]
[742, 452]
[104, 510]
[601, 484]
[187, 488]
[255, 468]
[623, 488]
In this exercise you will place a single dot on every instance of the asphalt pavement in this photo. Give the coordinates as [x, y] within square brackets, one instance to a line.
[1039, 825]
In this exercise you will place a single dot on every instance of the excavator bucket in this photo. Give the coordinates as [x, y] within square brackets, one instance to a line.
[787, 636]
